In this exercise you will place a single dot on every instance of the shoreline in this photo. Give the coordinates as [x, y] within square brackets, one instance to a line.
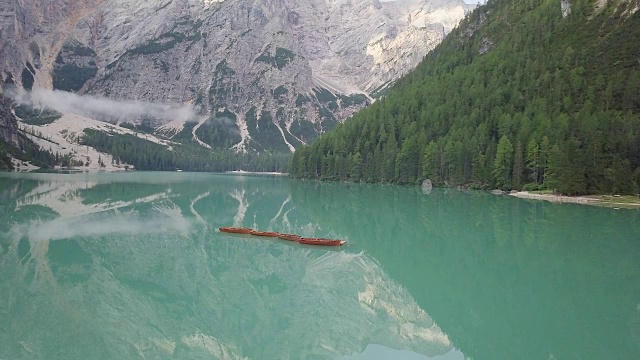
[595, 200]
[242, 172]
[613, 201]
[554, 198]
[27, 167]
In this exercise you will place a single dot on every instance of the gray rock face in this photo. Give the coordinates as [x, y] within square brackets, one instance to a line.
[8, 125]
[280, 71]
[565, 6]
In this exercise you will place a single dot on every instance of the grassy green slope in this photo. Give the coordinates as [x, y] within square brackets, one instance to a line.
[517, 96]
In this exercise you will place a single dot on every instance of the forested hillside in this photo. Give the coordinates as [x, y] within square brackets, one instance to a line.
[523, 94]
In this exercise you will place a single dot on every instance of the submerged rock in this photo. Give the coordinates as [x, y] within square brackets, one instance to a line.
[427, 186]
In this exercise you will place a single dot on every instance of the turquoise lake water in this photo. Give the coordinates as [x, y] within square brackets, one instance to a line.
[132, 266]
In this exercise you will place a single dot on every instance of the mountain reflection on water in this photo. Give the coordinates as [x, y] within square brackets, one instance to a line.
[132, 266]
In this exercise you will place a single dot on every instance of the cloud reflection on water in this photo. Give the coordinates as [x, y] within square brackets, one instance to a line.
[213, 295]
[113, 224]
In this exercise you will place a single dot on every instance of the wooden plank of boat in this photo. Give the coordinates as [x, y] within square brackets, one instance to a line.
[264, 233]
[235, 230]
[289, 237]
[321, 242]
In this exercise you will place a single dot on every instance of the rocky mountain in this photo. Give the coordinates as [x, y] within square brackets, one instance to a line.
[17, 150]
[8, 124]
[10, 138]
[260, 74]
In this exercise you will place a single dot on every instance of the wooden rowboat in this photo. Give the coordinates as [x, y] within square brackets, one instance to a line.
[321, 242]
[264, 233]
[290, 237]
[235, 230]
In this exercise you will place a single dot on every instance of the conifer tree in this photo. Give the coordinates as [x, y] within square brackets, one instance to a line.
[533, 160]
[503, 163]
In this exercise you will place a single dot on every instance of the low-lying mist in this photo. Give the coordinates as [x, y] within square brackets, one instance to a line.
[101, 108]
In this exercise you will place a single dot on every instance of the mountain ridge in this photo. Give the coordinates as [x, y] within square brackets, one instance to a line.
[281, 71]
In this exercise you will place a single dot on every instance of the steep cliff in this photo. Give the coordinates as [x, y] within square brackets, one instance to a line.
[276, 72]
[8, 124]
[19, 148]
[8, 133]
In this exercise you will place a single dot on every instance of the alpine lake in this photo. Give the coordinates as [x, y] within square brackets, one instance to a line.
[132, 266]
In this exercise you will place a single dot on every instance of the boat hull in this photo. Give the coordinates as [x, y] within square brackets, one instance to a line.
[322, 242]
[290, 237]
[235, 230]
[264, 233]
[287, 237]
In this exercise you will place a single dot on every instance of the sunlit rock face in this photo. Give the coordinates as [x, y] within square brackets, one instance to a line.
[283, 71]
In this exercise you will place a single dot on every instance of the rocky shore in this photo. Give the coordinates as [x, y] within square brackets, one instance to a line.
[605, 200]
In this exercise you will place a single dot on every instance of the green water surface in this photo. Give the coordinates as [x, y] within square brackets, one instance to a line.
[131, 266]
